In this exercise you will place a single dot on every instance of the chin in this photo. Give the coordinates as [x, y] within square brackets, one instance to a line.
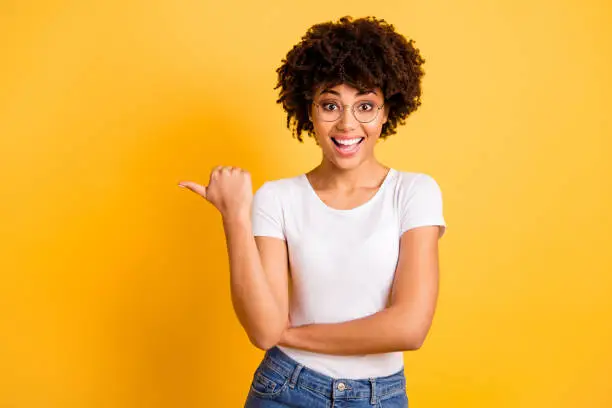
[347, 163]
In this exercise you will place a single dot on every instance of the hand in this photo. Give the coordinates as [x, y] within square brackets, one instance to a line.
[229, 190]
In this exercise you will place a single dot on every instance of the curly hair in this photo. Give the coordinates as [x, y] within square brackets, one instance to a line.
[365, 53]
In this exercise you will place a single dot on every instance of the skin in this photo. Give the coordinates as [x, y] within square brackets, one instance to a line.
[347, 178]
[259, 266]
[258, 271]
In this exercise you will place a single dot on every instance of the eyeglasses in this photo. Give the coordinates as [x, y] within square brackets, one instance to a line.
[363, 111]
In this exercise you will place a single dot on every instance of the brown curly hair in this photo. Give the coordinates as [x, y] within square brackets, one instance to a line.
[365, 53]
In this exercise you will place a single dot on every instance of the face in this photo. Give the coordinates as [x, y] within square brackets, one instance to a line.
[346, 142]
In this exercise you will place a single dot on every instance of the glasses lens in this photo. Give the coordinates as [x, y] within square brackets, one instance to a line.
[365, 111]
[329, 111]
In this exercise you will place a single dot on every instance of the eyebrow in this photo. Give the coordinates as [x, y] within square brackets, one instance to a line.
[364, 92]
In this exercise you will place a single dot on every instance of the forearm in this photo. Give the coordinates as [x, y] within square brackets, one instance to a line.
[254, 303]
[382, 332]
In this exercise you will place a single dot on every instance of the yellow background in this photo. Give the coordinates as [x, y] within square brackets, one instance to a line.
[114, 283]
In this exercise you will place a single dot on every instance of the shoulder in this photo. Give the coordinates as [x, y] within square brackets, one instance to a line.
[279, 188]
[419, 199]
[409, 183]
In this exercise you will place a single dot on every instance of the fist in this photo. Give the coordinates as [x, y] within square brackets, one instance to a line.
[229, 190]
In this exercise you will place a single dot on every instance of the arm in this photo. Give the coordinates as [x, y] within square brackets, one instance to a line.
[401, 326]
[258, 266]
[258, 281]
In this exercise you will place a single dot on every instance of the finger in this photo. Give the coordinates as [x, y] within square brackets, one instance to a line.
[216, 171]
[195, 187]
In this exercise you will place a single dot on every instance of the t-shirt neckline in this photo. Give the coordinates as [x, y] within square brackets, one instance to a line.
[354, 209]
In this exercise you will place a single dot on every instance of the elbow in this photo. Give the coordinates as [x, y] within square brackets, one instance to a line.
[412, 328]
[414, 340]
[264, 343]
[413, 344]
[266, 340]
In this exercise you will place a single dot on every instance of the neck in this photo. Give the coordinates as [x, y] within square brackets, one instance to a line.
[368, 174]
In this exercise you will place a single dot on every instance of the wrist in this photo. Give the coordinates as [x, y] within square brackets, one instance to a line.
[238, 218]
[285, 339]
[291, 337]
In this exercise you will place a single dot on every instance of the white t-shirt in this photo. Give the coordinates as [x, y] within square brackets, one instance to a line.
[342, 262]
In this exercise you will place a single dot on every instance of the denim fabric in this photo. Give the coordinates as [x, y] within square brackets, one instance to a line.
[280, 381]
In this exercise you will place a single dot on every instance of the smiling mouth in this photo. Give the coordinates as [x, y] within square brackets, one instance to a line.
[353, 142]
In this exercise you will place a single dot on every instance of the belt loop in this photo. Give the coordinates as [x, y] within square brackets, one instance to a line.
[373, 393]
[295, 374]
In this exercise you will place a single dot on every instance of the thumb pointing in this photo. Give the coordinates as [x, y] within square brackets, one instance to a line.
[195, 187]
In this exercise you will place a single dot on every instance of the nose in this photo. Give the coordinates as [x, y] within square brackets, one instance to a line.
[347, 120]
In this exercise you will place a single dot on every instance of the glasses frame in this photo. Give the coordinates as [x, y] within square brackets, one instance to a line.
[379, 107]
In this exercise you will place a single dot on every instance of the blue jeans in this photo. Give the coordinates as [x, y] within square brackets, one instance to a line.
[280, 381]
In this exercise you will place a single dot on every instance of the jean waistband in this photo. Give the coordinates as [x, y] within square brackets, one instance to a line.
[337, 388]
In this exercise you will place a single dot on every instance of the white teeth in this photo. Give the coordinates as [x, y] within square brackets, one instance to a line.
[349, 142]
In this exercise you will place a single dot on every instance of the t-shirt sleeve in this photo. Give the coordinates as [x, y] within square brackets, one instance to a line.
[267, 214]
[421, 205]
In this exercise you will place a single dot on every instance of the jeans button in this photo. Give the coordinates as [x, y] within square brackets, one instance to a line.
[341, 386]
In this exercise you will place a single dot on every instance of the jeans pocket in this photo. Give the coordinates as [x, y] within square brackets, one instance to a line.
[395, 400]
[267, 382]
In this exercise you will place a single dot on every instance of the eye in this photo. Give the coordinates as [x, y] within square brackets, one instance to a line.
[365, 106]
[329, 106]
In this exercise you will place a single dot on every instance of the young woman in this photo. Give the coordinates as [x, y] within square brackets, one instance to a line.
[354, 241]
